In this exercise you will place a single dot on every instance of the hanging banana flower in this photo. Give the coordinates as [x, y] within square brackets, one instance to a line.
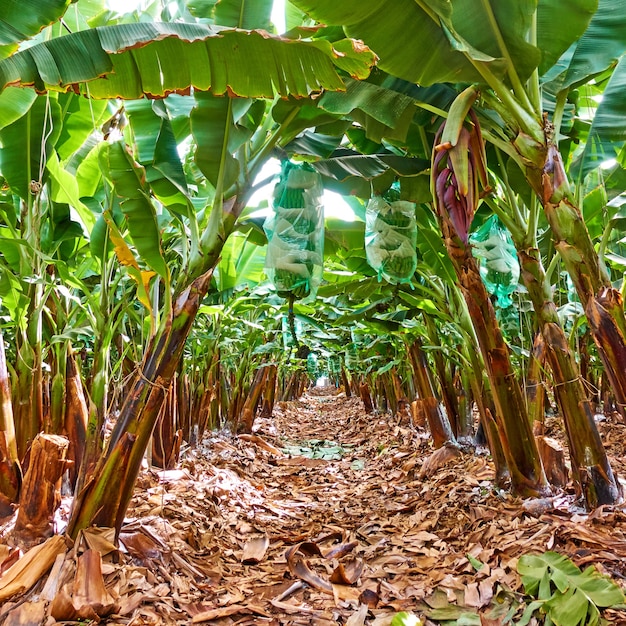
[458, 167]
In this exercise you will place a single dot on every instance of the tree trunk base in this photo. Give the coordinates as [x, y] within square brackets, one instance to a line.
[366, 398]
[41, 493]
[553, 459]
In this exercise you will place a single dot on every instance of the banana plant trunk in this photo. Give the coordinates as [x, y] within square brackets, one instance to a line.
[446, 384]
[10, 473]
[518, 442]
[438, 422]
[251, 404]
[535, 395]
[106, 494]
[76, 417]
[269, 393]
[602, 303]
[28, 396]
[457, 168]
[590, 465]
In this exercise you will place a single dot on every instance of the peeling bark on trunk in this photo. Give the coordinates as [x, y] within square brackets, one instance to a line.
[346, 383]
[167, 437]
[76, 417]
[269, 393]
[402, 404]
[41, 495]
[553, 457]
[535, 395]
[446, 384]
[366, 398]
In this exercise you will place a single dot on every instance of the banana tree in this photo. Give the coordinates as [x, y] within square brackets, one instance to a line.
[232, 139]
[592, 470]
[506, 47]
[506, 55]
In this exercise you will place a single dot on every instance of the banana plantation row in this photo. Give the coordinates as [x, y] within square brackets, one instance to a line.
[145, 300]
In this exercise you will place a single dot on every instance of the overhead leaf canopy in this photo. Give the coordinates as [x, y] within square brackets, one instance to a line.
[430, 41]
[155, 59]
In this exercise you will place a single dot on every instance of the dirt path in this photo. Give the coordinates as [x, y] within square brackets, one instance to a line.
[325, 516]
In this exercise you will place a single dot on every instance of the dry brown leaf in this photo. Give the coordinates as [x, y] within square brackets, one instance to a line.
[100, 539]
[438, 459]
[89, 594]
[336, 552]
[358, 618]
[219, 612]
[254, 551]
[293, 608]
[27, 614]
[472, 596]
[348, 573]
[23, 574]
[298, 567]
[299, 461]
[369, 597]
[140, 545]
[54, 580]
[259, 441]
[173, 475]
[8, 556]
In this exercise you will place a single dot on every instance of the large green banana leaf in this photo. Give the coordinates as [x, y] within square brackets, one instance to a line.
[431, 41]
[128, 177]
[389, 109]
[559, 24]
[155, 59]
[157, 151]
[247, 14]
[211, 122]
[608, 130]
[344, 164]
[34, 134]
[21, 19]
[601, 45]
[241, 263]
[14, 103]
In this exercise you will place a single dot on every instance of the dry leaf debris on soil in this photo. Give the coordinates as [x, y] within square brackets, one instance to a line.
[325, 515]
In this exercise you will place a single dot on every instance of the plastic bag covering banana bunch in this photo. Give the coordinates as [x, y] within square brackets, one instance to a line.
[295, 233]
[499, 267]
[391, 237]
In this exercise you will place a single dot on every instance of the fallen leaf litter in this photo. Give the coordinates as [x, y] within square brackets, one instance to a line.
[325, 515]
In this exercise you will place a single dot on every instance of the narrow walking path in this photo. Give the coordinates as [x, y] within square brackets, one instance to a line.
[325, 515]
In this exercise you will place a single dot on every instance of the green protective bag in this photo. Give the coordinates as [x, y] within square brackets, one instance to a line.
[391, 237]
[295, 233]
[499, 267]
[312, 366]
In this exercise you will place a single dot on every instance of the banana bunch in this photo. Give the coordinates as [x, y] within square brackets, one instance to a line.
[390, 238]
[295, 248]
